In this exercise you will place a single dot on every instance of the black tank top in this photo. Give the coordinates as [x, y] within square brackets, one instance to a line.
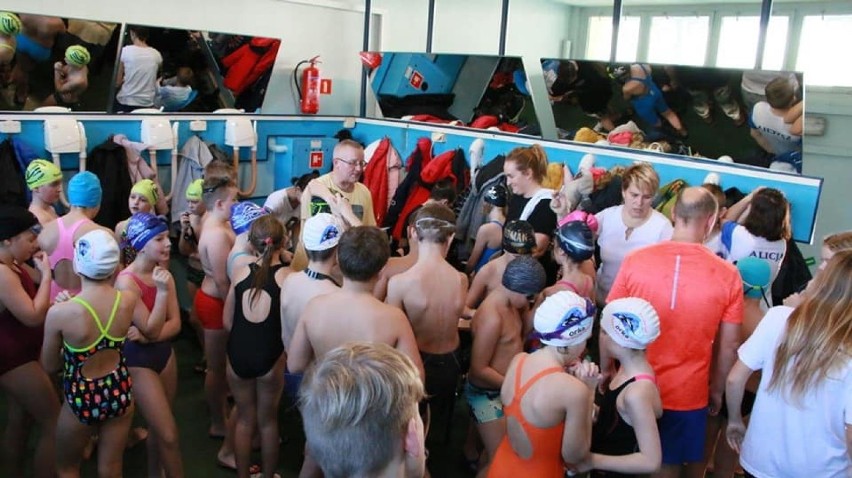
[611, 435]
[253, 348]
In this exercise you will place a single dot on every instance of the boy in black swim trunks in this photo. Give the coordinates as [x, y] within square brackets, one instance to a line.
[432, 295]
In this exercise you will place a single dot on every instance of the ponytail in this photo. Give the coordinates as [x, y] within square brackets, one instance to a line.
[532, 158]
[266, 237]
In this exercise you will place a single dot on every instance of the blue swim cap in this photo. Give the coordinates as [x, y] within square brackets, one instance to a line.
[142, 227]
[756, 275]
[84, 190]
[243, 214]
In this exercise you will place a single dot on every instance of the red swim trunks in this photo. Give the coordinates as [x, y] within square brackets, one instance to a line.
[210, 311]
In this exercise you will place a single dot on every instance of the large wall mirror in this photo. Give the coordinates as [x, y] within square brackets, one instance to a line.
[98, 66]
[53, 61]
[192, 71]
[475, 90]
[748, 116]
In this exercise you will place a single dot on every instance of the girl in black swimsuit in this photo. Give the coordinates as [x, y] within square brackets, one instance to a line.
[255, 350]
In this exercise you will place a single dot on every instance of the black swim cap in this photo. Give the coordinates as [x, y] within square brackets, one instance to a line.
[575, 238]
[524, 275]
[496, 195]
[518, 237]
[14, 220]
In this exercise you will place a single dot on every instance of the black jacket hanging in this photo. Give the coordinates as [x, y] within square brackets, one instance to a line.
[13, 187]
[108, 161]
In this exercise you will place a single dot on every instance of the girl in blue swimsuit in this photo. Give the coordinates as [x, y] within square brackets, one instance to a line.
[489, 236]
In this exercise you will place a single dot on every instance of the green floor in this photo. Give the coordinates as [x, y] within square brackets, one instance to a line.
[199, 451]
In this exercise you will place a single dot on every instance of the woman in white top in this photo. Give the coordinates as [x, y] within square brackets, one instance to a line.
[801, 424]
[632, 225]
[758, 226]
[137, 73]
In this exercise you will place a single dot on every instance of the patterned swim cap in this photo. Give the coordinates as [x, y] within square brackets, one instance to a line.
[77, 55]
[10, 24]
[41, 172]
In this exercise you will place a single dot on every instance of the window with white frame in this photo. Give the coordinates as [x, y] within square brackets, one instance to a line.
[679, 40]
[599, 39]
[821, 44]
[738, 42]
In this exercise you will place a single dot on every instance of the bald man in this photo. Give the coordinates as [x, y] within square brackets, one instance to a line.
[699, 299]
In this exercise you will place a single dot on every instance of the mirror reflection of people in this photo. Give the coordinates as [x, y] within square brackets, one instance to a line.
[34, 44]
[70, 77]
[583, 83]
[10, 25]
[175, 93]
[648, 104]
[138, 69]
[767, 122]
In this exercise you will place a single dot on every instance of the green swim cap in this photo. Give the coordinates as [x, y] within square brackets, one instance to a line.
[77, 55]
[149, 189]
[193, 191]
[10, 24]
[41, 172]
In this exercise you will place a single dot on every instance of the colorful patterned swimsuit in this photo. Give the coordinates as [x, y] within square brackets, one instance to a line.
[96, 400]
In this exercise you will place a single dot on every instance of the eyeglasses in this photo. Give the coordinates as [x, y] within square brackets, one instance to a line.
[352, 162]
[218, 184]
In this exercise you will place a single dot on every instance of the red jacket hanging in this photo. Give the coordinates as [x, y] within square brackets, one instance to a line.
[433, 171]
[247, 63]
[382, 177]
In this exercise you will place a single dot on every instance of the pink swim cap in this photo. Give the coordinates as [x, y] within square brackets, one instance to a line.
[581, 216]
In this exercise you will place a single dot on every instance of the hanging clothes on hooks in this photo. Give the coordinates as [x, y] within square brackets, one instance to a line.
[13, 186]
[108, 161]
[139, 169]
[382, 176]
[194, 157]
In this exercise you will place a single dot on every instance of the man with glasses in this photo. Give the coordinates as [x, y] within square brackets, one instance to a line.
[699, 298]
[343, 184]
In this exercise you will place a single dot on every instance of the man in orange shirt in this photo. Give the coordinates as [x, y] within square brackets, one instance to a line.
[699, 300]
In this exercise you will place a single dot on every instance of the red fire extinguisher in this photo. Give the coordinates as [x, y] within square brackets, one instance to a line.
[310, 90]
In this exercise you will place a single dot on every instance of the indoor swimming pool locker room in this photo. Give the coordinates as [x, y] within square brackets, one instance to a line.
[478, 76]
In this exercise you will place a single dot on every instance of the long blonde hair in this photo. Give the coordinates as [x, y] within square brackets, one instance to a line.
[818, 339]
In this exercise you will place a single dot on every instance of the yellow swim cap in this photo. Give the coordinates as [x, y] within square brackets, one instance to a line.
[77, 55]
[10, 24]
[41, 172]
[149, 189]
[193, 191]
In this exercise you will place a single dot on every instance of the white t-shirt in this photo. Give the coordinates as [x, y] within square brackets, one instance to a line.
[614, 247]
[788, 439]
[738, 243]
[714, 243]
[774, 130]
[141, 65]
[279, 204]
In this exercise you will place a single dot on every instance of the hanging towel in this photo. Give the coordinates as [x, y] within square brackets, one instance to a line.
[536, 198]
[139, 168]
[194, 157]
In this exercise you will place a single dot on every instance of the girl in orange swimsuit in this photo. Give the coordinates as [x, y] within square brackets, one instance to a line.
[549, 411]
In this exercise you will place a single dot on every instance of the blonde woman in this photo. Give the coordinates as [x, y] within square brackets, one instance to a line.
[804, 401]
